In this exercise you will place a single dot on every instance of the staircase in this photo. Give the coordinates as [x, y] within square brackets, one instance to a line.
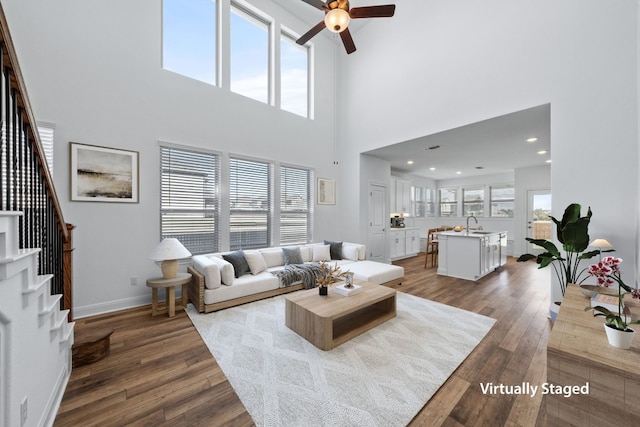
[35, 336]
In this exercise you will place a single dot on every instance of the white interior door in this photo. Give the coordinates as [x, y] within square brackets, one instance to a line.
[377, 235]
[539, 224]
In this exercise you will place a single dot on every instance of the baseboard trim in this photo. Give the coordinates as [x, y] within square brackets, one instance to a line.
[109, 306]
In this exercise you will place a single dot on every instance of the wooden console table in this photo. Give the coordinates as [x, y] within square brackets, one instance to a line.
[578, 353]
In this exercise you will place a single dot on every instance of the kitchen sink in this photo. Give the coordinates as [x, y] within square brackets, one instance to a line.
[481, 232]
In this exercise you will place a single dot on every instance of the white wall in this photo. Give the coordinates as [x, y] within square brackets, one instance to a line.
[94, 70]
[449, 64]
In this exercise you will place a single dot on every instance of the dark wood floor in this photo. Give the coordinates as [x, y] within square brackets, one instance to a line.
[160, 373]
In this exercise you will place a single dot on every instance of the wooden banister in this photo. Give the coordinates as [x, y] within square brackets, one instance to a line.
[26, 184]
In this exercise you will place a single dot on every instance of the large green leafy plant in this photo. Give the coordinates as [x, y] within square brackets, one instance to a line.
[573, 234]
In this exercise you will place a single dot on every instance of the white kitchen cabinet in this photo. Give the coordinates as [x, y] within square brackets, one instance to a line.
[400, 195]
[412, 242]
[397, 248]
[404, 242]
[470, 256]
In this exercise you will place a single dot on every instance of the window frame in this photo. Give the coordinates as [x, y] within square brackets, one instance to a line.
[307, 211]
[453, 203]
[493, 200]
[212, 211]
[466, 204]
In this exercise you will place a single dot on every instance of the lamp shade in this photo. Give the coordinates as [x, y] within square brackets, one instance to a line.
[169, 248]
[601, 244]
[169, 251]
[337, 20]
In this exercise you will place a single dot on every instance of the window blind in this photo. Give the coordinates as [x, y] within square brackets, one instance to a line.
[190, 198]
[296, 213]
[46, 130]
[250, 203]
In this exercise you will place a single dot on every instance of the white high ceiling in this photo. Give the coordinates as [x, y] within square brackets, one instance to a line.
[496, 145]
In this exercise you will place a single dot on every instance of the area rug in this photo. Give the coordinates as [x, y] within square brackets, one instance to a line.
[380, 378]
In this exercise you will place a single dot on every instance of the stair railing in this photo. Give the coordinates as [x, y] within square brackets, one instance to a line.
[26, 184]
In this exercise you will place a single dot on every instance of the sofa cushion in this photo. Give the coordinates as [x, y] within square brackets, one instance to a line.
[335, 249]
[375, 272]
[243, 286]
[350, 252]
[292, 256]
[362, 249]
[321, 253]
[256, 261]
[209, 270]
[239, 262]
[226, 269]
[272, 256]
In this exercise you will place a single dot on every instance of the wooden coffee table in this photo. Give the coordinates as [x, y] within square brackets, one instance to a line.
[328, 321]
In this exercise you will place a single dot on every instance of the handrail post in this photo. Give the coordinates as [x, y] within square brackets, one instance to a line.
[67, 268]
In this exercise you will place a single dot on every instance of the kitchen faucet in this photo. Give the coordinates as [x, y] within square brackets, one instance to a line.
[471, 216]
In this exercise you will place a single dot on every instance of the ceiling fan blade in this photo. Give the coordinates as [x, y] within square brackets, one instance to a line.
[312, 32]
[384, 11]
[318, 4]
[347, 41]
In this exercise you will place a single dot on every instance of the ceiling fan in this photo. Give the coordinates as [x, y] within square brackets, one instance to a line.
[337, 17]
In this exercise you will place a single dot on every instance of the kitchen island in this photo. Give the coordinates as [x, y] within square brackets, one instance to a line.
[471, 254]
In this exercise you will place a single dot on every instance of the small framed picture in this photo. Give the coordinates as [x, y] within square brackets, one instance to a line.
[326, 191]
[102, 174]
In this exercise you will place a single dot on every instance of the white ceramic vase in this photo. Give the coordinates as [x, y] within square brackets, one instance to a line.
[618, 338]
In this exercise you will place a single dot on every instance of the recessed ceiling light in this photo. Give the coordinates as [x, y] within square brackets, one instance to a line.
[409, 162]
[534, 139]
[432, 169]
[459, 173]
[542, 152]
[549, 161]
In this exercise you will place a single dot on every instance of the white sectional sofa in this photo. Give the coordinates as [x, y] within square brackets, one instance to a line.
[219, 283]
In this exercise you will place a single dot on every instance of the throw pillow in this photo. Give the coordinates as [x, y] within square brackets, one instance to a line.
[226, 269]
[350, 252]
[256, 262]
[335, 249]
[292, 256]
[321, 253]
[209, 270]
[237, 259]
[273, 257]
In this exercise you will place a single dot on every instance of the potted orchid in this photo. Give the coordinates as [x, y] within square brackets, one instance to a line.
[607, 272]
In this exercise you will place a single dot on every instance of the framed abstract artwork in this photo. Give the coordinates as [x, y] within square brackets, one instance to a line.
[102, 174]
[326, 191]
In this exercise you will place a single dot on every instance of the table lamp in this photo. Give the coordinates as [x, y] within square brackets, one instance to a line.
[601, 244]
[169, 251]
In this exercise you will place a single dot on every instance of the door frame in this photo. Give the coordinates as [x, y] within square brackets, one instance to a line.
[385, 226]
[528, 222]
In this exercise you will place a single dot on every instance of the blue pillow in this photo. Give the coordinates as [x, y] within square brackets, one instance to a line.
[335, 248]
[240, 264]
[292, 256]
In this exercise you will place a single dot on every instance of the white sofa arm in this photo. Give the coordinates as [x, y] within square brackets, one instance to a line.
[209, 269]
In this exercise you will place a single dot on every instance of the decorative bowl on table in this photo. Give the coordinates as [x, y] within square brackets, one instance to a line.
[458, 228]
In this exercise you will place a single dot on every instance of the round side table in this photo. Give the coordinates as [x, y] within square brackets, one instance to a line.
[170, 293]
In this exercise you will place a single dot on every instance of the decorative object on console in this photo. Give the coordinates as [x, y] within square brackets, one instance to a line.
[617, 322]
[169, 251]
[102, 174]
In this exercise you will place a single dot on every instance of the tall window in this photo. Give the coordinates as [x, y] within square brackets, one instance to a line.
[189, 38]
[250, 198]
[424, 202]
[249, 54]
[473, 201]
[189, 202]
[294, 72]
[296, 203]
[502, 201]
[448, 202]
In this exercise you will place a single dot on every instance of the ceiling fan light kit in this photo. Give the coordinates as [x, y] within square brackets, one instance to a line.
[338, 14]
